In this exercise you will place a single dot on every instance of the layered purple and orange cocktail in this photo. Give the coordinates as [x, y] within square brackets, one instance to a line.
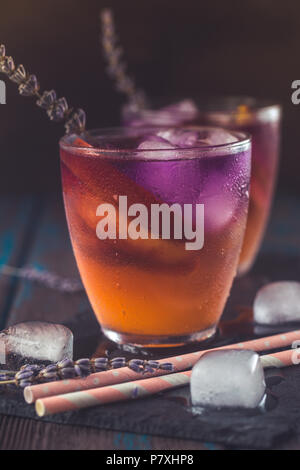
[157, 218]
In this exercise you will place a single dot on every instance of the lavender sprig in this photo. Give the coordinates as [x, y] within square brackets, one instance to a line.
[117, 68]
[57, 109]
[46, 278]
[32, 374]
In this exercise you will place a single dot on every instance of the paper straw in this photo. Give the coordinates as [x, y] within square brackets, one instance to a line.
[124, 374]
[137, 389]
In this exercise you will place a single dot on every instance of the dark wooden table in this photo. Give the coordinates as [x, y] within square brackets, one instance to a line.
[33, 232]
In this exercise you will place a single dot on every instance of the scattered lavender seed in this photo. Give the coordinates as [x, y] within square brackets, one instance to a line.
[167, 366]
[135, 392]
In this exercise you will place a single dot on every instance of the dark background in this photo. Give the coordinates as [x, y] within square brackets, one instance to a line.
[180, 47]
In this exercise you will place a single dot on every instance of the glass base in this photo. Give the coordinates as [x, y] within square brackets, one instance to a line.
[144, 341]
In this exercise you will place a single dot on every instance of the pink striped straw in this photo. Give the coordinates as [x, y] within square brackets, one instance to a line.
[124, 374]
[138, 388]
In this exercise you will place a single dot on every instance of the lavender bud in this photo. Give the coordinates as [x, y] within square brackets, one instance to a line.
[19, 75]
[117, 359]
[76, 123]
[30, 87]
[83, 362]
[50, 368]
[49, 376]
[2, 50]
[153, 364]
[138, 362]
[84, 370]
[166, 366]
[118, 362]
[58, 110]
[135, 367]
[148, 369]
[24, 374]
[24, 384]
[47, 99]
[65, 363]
[100, 364]
[100, 368]
[31, 367]
[7, 65]
[68, 373]
[78, 371]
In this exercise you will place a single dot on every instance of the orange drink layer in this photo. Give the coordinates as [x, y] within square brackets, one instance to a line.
[161, 289]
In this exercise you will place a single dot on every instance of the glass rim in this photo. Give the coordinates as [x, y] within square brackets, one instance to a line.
[220, 105]
[255, 107]
[214, 103]
[243, 142]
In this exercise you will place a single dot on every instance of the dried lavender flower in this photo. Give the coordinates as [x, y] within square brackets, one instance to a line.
[76, 122]
[57, 109]
[46, 278]
[117, 68]
[68, 369]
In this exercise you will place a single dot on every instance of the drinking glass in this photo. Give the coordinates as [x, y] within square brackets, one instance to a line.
[157, 227]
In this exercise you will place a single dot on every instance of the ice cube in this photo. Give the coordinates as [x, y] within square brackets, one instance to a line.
[156, 142]
[180, 137]
[184, 138]
[220, 211]
[35, 341]
[278, 302]
[217, 136]
[228, 378]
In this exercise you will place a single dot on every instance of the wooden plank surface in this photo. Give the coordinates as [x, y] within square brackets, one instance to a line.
[50, 250]
[27, 434]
